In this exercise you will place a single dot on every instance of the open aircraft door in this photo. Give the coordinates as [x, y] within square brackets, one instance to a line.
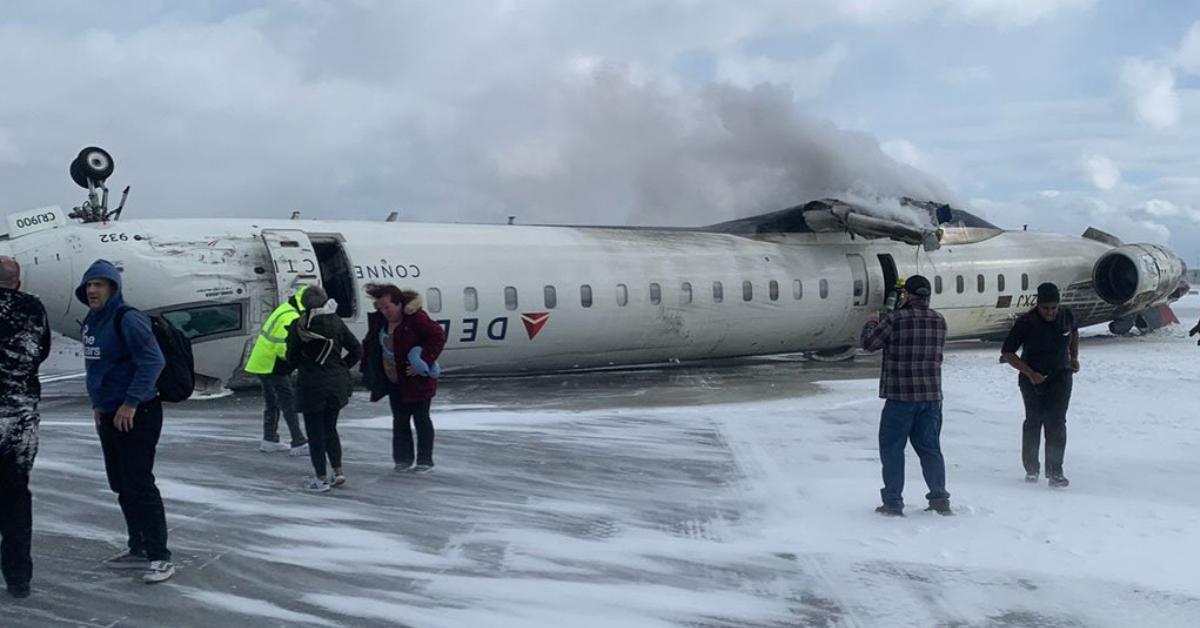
[294, 261]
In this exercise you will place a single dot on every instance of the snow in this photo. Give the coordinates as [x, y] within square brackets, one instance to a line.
[735, 497]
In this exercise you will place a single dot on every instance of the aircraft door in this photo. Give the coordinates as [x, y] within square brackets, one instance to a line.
[294, 260]
[861, 285]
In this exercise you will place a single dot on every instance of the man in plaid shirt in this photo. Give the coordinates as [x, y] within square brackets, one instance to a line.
[912, 338]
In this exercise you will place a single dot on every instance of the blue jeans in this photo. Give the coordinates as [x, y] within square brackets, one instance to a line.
[921, 423]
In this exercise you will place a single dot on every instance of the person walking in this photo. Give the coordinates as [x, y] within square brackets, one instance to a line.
[1049, 343]
[912, 338]
[322, 349]
[123, 362]
[400, 362]
[24, 345]
[274, 374]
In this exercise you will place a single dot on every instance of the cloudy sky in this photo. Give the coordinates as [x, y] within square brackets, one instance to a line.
[1058, 114]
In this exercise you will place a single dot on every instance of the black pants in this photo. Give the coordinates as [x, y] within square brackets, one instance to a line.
[1046, 409]
[279, 398]
[16, 513]
[129, 463]
[323, 439]
[404, 415]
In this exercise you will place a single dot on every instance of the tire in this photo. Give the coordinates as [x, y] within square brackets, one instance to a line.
[94, 163]
[1121, 327]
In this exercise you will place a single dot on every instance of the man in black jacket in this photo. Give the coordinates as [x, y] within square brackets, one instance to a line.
[24, 345]
[1049, 359]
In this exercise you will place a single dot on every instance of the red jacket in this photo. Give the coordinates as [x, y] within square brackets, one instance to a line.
[415, 330]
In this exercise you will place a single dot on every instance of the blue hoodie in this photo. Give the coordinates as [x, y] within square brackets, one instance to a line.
[117, 373]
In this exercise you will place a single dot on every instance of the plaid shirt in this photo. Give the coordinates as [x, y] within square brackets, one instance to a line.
[912, 339]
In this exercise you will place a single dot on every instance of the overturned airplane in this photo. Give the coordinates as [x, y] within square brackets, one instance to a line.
[518, 299]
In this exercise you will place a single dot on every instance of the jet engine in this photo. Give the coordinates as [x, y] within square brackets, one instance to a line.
[1137, 275]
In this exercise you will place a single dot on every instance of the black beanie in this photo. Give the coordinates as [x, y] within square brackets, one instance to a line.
[917, 285]
[1048, 293]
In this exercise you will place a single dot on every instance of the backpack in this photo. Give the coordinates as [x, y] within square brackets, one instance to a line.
[177, 381]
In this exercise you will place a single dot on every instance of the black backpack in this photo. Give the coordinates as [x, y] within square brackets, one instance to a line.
[177, 381]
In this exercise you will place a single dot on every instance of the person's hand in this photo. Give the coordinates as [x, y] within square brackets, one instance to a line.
[1075, 366]
[1036, 377]
[411, 372]
[123, 420]
[873, 317]
[96, 416]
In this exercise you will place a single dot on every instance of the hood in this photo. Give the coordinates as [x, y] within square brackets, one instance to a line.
[100, 269]
[412, 301]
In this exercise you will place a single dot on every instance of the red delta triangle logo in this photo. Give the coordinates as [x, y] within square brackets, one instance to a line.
[534, 322]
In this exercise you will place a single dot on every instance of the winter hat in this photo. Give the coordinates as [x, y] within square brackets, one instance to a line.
[917, 285]
[1048, 293]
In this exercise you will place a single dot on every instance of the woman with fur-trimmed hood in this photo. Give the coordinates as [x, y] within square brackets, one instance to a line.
[400, 356]
[322, 350]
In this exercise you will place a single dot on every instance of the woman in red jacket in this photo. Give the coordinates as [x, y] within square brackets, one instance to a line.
[402, 343]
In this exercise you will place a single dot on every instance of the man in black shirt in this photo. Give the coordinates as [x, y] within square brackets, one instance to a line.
[1050, 356]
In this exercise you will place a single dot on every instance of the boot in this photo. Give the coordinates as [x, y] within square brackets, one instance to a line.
[940, 506]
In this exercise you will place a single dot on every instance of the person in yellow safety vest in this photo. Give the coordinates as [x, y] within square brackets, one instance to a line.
[268, 363]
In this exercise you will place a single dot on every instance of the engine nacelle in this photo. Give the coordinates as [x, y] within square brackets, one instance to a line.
[1137, 275]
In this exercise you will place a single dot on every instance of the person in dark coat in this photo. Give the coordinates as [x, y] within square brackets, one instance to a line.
[912, 338]
[400, 362]
[24, 345]
[1049, 359]
[322, 348]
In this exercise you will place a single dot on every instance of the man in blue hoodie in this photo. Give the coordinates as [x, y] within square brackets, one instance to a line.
[123, 365]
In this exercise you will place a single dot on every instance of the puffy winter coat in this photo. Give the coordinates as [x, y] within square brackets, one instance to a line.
[24, 345]
[416, 329]
[322, 350]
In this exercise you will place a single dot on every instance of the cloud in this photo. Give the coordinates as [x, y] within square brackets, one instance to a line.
[807, 78]
[967, 76]
[1149, 88]
[1160, 208]
[1101, 171]
[1050, 193]
[1187, 57]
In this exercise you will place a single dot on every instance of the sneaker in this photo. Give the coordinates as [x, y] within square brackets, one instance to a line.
[128, 560]
[298, 450]
[339, 481]
[940, 506]
[403, 467]
[158, 571]
[316, 485]
[272, 446]
[890, 511]
[423, 468]
[1058, 481]
[1032, 478]
[19, 591]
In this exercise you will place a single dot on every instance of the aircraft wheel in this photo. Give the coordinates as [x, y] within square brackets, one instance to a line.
[93, 163]
[1121, 327]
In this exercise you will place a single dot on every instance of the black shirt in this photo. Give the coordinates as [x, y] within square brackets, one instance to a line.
[1046, 344]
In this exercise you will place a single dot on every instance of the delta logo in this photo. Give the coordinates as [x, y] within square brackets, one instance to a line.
[534, 322]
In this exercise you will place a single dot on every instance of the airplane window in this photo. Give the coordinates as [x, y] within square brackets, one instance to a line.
[551, 297]
[585, 295]
[824, 288]
[797, 289]
[960, 284]
[747, 291]
[433, 300]
[207, 320]
[622, 295]
[980, 283]
[1000, 283]
[773, 290]
[470, 299]
[686, 298]
[510, 298]
[655, 294]
[858, 287]
[937, 284]
[718, 292]
[1024, 282]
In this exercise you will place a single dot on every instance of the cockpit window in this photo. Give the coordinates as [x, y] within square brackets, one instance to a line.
[207, 320]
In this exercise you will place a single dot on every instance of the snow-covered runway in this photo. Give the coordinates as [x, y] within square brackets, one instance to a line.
[738, 495]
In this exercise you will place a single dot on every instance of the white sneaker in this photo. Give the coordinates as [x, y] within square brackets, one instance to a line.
[301, 450]
[316, 485]
[158, 571]
[270, 446]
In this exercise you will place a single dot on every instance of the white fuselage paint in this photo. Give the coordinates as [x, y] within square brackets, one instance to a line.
[172, 264]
